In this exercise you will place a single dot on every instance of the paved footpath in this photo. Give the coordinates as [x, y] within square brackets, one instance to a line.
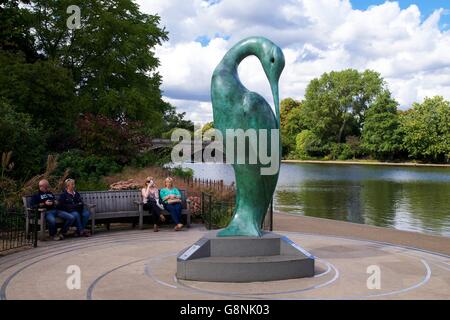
[140, 264]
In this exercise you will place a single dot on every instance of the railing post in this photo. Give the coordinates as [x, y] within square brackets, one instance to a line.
[210, 212]
[203, 205]
[35, 231]
[271, 216]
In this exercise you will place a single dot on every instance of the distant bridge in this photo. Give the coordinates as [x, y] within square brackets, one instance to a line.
[196, 155]
[167, 143]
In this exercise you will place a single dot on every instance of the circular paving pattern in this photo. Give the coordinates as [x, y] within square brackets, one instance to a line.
[142, 264]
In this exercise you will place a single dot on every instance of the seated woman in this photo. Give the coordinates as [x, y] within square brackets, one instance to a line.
[150, 198]
[171, 198]
[70, 202]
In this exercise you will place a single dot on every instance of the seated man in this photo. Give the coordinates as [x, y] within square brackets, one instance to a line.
[71, 203]
[45, 199]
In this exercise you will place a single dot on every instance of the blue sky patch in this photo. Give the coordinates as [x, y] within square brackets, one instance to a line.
[427, 7]
[205, 39]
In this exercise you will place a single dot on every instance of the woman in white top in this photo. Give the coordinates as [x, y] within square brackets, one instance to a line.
[150, 197]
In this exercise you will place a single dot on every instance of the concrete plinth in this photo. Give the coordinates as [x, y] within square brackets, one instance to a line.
[244, 259]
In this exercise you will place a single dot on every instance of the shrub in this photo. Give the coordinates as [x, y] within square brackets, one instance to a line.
[87, 167]
[22, 137]
[307, 145]
[151, 158]
[182, 172]
[119, 140]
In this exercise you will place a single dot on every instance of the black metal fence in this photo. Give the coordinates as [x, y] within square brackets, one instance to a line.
[217, 214]
[13, 230]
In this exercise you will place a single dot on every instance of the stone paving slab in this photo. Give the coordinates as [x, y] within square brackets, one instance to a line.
[141, 264]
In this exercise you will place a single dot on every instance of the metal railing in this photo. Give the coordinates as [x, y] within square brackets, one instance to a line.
[217, 214]
[13, 229]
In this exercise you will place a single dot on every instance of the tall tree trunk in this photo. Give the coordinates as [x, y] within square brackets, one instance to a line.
[341, 130]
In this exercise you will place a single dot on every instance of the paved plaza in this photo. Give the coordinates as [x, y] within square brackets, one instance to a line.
[141, 264]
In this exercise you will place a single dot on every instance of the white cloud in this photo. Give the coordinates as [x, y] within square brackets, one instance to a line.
[316, 36]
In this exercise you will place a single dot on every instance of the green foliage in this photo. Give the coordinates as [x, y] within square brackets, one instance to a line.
[119, 140]
[182, 172]
[219, 215]
[335, 104]
[207, 126]
[344, 151]
[307, 145]
[111, 56]
[8, 186]
[24, 138]
[353, 149]
[173, 120]
[86, 167]
[382, 135]
[91, 184]
[426, 129]
[43, 90]
[15, 30]
[92, 94]
[331, 116]
[151, 158]
[291, 123]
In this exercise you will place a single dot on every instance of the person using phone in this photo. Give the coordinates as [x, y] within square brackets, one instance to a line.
[150, 198]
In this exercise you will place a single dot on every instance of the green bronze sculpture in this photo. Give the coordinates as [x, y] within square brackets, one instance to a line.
[235, 107]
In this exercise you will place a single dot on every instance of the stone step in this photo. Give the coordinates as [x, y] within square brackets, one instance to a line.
[244, 259]
[247, 269]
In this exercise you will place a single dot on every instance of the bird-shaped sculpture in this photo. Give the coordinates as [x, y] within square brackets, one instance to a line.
[235, 107]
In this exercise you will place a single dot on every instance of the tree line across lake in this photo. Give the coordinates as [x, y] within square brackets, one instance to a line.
[352, 115]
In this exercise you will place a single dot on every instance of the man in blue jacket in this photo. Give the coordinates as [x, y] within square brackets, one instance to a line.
[45, 199]
[71, 203]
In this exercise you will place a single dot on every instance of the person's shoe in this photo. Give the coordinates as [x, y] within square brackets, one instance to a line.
[86, 233]
[178, 227]
[155, 228]
[162, 218]
[57, 238]
[60, 235]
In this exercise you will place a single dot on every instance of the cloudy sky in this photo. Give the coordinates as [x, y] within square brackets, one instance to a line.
[407, 41]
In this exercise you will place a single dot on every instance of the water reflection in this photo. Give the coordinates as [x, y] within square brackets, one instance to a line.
[406, 198]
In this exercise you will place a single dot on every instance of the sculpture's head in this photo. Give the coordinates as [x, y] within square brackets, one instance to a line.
[272, 60]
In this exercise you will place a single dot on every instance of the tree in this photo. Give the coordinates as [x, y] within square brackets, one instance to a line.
[23, 138]
[382, 136]
[426, 129]
[173, 120]
[110, 57]
[120, 141]
[335, 104]
[15, 29]
[207, 126]
[307, 144]
[42, 89]
[291, 123]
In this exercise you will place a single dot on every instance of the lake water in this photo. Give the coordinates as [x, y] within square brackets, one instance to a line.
[405, 198]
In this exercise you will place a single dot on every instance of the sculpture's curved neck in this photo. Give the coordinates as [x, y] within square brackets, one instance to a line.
[241, 51]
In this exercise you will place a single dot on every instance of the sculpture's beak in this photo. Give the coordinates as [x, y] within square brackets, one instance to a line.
[276, 100]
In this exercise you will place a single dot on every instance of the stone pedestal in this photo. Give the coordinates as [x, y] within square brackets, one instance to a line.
[244, 259]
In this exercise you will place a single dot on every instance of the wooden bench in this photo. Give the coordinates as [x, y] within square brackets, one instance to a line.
[107, 205]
